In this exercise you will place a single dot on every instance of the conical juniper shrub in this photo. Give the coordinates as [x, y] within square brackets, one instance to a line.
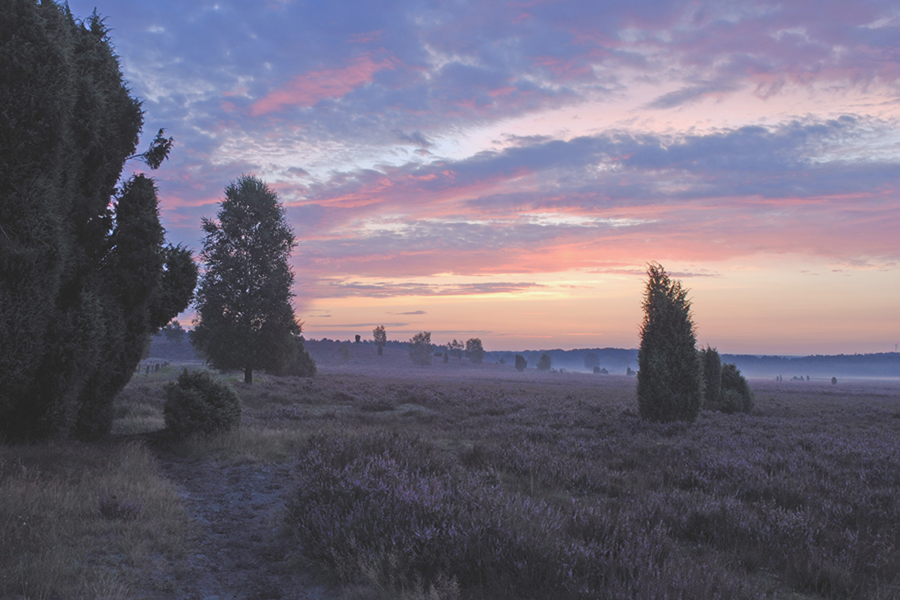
[83, 269]
[197, 403]
[669, 380]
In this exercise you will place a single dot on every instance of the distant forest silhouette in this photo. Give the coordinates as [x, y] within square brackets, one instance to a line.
[619, 360]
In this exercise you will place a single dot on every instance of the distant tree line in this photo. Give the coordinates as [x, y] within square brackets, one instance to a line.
[882, 364]
[421, 350]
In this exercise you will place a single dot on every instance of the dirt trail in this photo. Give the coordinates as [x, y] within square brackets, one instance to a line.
[239, 550]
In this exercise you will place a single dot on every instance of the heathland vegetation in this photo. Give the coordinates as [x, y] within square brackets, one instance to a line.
[465, 481]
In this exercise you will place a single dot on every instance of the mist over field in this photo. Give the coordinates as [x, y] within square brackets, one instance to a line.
[616, 361]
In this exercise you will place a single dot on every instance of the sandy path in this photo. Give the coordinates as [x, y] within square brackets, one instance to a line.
[240, 551]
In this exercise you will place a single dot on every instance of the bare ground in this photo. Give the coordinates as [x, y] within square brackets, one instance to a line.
[240, 550]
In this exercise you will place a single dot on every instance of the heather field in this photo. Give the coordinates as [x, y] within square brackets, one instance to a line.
[380, 480]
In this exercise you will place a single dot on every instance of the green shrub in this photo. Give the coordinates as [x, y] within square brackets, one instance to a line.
[294, 361]
[736, 392]
[197, 403]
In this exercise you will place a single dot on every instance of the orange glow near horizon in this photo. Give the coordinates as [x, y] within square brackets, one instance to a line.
[733, 311]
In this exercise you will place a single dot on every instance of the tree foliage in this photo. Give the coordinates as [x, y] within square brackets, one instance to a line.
[158, 151]
[380, 338]
[474, 350]
[591, 361]
[420, 348]
[712, 376]
[736, 393]
[544, 363]
[292, 360]
[245, 319]
[86, 276]
[456, 348]
[174, 332]
[669, 383]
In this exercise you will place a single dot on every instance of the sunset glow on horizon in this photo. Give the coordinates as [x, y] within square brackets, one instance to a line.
[507, 170]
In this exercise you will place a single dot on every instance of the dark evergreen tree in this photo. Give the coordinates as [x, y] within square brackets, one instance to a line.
[83, 268]
[669, 381]
[521, 363]
[591, 361]
[712, 376]
[245, 320]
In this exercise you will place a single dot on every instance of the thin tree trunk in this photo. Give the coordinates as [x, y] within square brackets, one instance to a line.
[248, 375]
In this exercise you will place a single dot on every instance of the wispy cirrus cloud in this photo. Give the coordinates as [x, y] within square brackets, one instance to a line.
[308, 89]
[732, 192]
[386, 289]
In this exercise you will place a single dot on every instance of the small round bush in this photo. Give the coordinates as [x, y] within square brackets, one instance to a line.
[197, 403]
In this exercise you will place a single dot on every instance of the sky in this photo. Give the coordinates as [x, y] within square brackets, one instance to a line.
[506, 170]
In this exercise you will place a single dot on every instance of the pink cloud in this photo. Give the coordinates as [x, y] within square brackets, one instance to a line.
[705, 232]
[314, 86]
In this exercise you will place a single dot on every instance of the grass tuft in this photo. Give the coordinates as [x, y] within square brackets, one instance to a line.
[65, 536]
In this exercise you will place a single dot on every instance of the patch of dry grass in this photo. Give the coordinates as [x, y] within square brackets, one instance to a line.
[86, 521]
[139, 407]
